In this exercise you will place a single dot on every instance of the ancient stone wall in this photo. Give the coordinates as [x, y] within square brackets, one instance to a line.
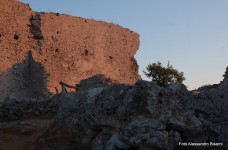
[64, 47]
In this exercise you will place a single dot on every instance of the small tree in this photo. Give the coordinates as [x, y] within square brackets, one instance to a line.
[164, 75]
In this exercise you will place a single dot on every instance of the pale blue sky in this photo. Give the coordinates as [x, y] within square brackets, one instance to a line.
[191, 34]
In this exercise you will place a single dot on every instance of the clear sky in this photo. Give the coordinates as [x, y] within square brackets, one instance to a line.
[191, 34]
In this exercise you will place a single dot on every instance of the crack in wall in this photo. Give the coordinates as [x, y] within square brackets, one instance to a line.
[35, 29]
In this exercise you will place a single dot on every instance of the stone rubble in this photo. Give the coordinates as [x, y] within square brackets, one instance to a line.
[144, 116]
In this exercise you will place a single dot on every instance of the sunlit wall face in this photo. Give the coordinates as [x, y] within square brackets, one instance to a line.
[192, 35]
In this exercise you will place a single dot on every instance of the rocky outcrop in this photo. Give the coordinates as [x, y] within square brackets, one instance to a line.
[94, 82]
[67, 48]
[225, 81]
[144, 116]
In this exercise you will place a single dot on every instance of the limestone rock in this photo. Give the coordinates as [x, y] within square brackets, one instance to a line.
[225, 81]
[144, 116]
[94, 82]
[177, 87]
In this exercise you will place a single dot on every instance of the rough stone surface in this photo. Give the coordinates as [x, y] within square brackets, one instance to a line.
[102, 115]
[64, 47]
[94, 82]
[144, 116]
[225, 81]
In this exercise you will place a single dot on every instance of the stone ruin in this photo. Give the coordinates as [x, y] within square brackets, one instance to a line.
[225, 80]
[223, 83]
[38, 50]
[94, 82]
[67, 48]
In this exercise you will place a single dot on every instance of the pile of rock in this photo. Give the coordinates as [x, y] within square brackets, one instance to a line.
[144, 116]
[94, 82]
[225, 81]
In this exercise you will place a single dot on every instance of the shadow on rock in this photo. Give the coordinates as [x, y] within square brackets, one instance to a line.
[24, 79]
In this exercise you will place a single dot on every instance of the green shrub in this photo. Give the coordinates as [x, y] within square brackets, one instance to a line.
[164, 75]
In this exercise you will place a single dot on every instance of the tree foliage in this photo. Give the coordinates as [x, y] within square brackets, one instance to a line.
[164, 75]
